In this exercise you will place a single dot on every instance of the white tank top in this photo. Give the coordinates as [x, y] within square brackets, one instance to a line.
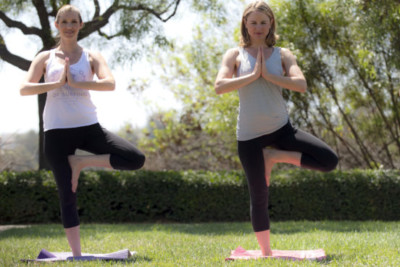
[68, 107]
[262, 109]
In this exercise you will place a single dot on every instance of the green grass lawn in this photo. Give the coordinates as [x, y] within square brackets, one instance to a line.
[207, 244]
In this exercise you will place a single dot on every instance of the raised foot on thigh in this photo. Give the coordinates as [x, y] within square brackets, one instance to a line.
[75, 163]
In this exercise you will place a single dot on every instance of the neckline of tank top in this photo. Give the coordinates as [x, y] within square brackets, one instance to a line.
[273, 51]
[79, 60]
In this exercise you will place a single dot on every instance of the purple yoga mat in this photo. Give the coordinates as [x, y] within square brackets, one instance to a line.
[242, 254]
[46, 256]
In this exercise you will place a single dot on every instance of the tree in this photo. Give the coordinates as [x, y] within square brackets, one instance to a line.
[19, 152]
[349, 51]
[201, 135]
[126, 20]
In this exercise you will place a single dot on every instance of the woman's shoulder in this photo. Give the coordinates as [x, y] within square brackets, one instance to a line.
[44, 55]
[286, 53]
[94, 55]
[232, 52]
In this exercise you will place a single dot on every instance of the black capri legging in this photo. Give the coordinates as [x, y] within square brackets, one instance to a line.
[315, 155]
[60, 143]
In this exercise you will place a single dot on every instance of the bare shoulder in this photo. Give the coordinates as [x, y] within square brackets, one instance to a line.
[95, 56]
[287, 54]
[231, 58]
[39, 63]
[232, 53]
[42, 57]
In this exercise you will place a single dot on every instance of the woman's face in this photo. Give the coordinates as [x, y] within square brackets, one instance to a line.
[258, 25]
[69, 24]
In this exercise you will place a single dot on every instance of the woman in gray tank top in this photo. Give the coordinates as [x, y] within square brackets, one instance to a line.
[258, 71]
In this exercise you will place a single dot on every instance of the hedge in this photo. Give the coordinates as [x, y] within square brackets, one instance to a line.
[202, 196]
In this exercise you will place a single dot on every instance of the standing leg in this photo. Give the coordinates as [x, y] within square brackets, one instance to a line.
[58, 145]
[251, 157]
[264, 242]
[74, 240]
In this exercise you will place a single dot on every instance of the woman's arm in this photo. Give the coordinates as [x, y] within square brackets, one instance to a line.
[105, 81]
[294, 78]
[225, 82]
[31, 85]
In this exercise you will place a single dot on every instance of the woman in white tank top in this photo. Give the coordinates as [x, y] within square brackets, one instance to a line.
[70, 119]
[259, 71]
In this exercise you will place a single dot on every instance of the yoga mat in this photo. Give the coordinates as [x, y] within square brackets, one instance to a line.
[242, 254]
[46, 256]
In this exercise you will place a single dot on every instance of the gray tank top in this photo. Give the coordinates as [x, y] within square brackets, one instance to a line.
[262, 109]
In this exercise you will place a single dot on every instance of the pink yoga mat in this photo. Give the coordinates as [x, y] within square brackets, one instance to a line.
[46, 256]
[242, 254]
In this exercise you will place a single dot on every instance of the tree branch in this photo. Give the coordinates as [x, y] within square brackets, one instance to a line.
[100, 21]
[97, 8]
[152, 11]
[19, 25]
[97, 22]
[371, 92]
[109, 37]
[15, 60]
[54, 8]
[45, 33]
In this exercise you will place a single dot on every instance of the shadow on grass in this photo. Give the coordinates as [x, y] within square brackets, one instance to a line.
[330, 258]
[292, 227]
[223, 228]
[139, 259]
[235, 228]
[45, 230]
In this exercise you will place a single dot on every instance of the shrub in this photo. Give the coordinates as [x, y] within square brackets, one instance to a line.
[201, 196]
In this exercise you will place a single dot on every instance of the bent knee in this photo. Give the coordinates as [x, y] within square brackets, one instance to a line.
[137, 162]
[141, 160]
[331, 163]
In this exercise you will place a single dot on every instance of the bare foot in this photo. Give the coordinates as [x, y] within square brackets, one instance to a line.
[267, 253]
[269, 162]
[74, 162]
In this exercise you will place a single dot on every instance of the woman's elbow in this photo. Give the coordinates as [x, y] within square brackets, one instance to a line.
[111, 85]
[217, 87]
[303, 87]
[23, 91]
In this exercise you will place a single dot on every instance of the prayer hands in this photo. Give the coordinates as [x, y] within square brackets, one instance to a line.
[70, 79]
[260, 68]
[63, 78]
[66, 77]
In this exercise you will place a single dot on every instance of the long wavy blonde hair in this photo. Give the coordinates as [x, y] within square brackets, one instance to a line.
[262, 7]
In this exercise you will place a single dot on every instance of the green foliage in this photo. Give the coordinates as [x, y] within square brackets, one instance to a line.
[349, 53]
[202, 134]
[207, 244]
[202, 196]
[18, 152]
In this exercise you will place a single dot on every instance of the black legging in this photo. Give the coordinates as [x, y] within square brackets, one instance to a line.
[315, 155]
[60, 143]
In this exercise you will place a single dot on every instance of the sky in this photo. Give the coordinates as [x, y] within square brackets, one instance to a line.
[19, 114]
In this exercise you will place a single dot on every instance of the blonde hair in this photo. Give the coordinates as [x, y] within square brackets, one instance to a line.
[264, 8]
[62, 10]
[66, 8]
